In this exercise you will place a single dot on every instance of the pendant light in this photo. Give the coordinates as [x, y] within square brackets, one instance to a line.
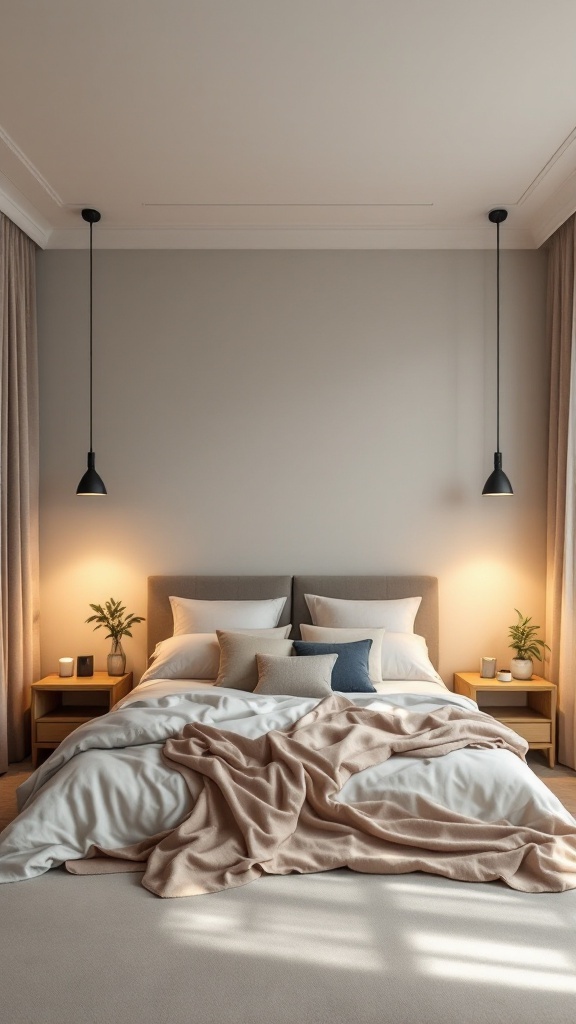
[497, 483]
[91, 483]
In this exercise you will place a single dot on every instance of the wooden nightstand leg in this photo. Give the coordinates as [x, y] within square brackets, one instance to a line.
[551, 756]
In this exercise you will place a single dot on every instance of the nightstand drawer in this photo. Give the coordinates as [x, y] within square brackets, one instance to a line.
[534, 732]
[54, 732]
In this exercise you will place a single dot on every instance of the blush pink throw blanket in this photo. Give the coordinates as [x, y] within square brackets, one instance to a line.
[268, 806]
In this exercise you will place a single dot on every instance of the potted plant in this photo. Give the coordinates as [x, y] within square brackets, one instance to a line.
[527, 646]
[112, 618]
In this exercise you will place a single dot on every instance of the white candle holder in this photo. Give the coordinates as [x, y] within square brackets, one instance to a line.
[487, 668]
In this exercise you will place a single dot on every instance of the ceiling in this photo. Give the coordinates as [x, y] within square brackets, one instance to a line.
[288, 123]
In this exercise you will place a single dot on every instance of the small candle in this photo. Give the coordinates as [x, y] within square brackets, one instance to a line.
[66, 666]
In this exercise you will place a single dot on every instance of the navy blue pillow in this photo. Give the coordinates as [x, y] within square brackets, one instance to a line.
[350, 673]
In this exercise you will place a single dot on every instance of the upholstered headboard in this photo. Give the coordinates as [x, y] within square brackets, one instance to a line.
[250, 588]
[209, 588]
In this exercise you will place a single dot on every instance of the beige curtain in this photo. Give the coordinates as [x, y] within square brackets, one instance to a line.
[561, 576]
[19, 659]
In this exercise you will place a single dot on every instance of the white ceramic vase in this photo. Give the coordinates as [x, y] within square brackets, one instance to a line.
[116, 659]
[521, 668]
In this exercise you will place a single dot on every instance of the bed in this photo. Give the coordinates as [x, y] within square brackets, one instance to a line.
[334, 945]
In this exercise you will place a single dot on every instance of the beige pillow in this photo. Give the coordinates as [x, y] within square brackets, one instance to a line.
[238, 669]
[296, 677]
[344, 635]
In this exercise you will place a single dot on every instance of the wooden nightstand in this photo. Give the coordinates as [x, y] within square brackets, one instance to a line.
[60, 705]
[535, 720]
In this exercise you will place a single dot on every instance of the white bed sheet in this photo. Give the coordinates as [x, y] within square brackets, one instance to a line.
[163, 687]
[107, 785]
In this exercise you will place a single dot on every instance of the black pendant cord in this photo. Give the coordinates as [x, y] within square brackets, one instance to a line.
[91, 482]
[497, 482]
[91, 449]
[497, 335]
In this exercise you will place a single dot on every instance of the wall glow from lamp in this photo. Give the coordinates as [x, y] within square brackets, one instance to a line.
[75, 578]
[482, 591]
[91, 483]
[497, 483]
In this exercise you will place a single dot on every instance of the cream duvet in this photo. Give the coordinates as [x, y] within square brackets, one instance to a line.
[108, 785]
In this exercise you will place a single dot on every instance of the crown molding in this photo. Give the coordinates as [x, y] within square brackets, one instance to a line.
[293, 238]
[557, 210]
[271, 236]
[30, 167]
[543, 221]
[23, 214]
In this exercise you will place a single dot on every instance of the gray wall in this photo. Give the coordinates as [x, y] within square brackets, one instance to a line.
[292, 412]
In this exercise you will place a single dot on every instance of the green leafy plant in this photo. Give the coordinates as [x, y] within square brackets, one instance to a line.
[524, 639]
[112, 618]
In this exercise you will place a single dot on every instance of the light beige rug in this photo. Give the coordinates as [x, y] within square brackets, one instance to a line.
[335, 948]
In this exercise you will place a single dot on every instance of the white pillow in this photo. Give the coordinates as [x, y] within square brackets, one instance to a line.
[397, 615]
[192, 616]
[326, 635]
[296, 677]
[405, 656]
[194, 655]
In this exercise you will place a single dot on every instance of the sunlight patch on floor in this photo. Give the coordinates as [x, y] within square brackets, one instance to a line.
[466, 908]
[310, 934]
[491, 952]
[414, 924]
[497, 974]
[492, 962]
[453, 899]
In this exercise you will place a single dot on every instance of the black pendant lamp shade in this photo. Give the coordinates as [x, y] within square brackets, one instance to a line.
[91, 483]
[497, 483]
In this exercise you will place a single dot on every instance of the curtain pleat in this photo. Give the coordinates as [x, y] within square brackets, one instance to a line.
[19, 559]
[561, 518]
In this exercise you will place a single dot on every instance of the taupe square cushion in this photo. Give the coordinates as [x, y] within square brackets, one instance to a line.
[296, 677]
[238, 669]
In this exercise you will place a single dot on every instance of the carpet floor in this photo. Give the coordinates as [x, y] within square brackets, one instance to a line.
[333, 948]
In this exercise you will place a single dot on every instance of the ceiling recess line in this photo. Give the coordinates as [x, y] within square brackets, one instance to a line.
[9, 142]
[297, 206]
[236, 228]
[546, 168]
